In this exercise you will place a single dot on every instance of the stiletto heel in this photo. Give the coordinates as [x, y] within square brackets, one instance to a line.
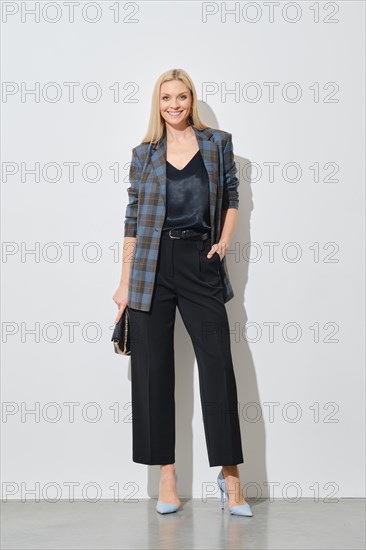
[223, 495]
[167, 507]
[239, 509]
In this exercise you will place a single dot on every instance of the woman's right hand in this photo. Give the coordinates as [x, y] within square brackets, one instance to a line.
[121, 299]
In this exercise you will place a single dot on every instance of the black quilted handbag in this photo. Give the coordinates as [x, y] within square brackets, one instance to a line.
[121, 334]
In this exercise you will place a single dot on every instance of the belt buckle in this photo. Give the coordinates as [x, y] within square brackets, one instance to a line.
[171, 236]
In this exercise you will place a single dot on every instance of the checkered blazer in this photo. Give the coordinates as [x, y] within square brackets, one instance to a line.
[145, 212]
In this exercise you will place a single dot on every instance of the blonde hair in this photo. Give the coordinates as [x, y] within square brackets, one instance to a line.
[156, 127]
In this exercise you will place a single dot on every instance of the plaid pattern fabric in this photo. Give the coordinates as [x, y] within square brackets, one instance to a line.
[145, 212]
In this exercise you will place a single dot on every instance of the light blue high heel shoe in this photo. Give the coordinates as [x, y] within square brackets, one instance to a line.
[239, 509]
[167, 507]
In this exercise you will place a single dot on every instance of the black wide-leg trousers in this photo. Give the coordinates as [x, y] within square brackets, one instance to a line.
[186, 278]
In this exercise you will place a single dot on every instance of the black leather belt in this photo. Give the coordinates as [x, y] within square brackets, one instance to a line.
[186, 234]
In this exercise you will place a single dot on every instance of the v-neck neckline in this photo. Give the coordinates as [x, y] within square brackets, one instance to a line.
[189, 162]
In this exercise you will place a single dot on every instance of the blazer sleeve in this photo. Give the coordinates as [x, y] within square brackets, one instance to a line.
[130, 224]
[230, 197]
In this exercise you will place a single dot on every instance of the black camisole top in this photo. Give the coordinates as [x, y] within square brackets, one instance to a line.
[187, 196]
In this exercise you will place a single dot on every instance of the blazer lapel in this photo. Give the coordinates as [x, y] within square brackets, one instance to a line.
[209, 152]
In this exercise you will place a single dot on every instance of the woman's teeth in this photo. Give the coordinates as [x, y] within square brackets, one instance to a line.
[175, 113]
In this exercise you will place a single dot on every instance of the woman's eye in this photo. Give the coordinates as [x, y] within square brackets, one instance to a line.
[182, 97]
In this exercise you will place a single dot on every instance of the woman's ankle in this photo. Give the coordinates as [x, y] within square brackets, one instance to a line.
[167, 469]
[231, 470]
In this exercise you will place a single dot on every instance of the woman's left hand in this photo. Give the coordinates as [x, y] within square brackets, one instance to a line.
[217, 248]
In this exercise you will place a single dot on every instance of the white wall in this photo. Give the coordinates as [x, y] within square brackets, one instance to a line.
[311, 370]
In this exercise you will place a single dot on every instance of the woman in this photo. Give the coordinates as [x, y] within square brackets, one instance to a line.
[181, 215]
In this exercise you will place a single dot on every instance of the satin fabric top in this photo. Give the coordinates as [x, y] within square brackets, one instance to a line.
[187, 196]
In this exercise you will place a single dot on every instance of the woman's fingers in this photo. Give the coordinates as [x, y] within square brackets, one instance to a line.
[120, 312]
[215, 248]
[120, 297]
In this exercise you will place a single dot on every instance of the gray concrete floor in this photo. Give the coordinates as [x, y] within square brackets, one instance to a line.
[116, 525]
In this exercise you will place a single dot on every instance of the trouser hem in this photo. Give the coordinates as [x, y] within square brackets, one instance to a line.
[153, 462]
[225, 462]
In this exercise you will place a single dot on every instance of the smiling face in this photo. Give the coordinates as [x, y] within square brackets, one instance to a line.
[175, 103]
